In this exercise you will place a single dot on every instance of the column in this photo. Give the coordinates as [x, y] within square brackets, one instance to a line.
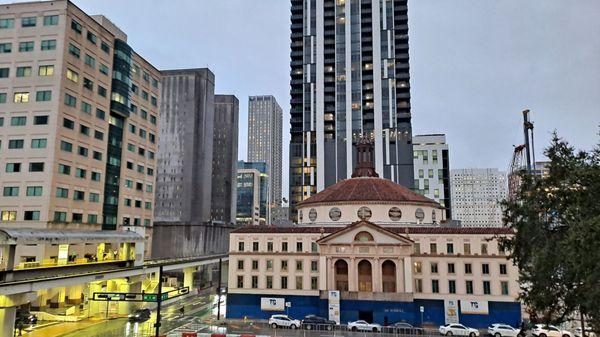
[7, 320]
[95, 307]
[188, 277]
[400, 286]
[352, 275]
[408, 279]
[325, 273]
[330, 269]
[376, 275]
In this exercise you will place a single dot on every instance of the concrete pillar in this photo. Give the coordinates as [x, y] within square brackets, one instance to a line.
[58, 297]
[376, 275]
[74, 294]
[400, 276]
[95, 307]
[7, 320]
[188, 277]
[134, 286]
[325, 273]
[352, 274]
[408, 279]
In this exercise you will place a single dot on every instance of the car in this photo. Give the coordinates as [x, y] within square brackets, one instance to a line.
[284, 321]
[361, 325]
[588, 332]
[458, 330]
[405, 329]
[543, 330]
[140, 315]
[318, 323]
[504, 330]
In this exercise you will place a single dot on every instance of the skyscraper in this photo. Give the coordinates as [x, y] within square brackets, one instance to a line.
[265, 142]
[432, 169]
[349, 78]
[225, 151]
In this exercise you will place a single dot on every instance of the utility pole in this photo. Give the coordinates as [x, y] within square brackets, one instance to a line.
[158, 301]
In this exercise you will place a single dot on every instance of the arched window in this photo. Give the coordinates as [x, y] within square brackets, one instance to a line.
[341, 275]
[363, 237]
[388, 276]
[365, 278]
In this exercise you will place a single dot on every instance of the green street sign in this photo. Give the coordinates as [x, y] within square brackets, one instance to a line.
[149, 297]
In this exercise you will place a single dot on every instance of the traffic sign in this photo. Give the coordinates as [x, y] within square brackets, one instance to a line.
[140, 297]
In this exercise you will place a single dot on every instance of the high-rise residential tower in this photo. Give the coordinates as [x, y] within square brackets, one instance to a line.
[349, 78]
[432, 169]
[265, 142]
[225, 151]
[476, 196]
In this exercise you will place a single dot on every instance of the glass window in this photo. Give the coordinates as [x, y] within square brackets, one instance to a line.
[48, 44]
[80, 173]
[31, 215]
[105, 48]
[73, 50]
[452, 286]
[450, 248]
[503, 269]
[2, 98]
[8, 215]
[469, 287]
[70, 100]
[15, 144]
[26, 46]
[10, 191]
[485, 268]
[100, 114]
[66, 146]
[72, 75]
[240, 281]
[451, 268]
[95, 176]
[7, 23]
[36, 167]
[18, 121]
[434, 267]
[484, 249]
[46, 70]
[76, 26]
[13, 167]
[467, 248]
[504, 287]
[64, 169]
[50, 20]
[91, 37]
[284, 282]
[23, 71]
[69, 124]
[432, 248]
[5, 48]
[4, 72]
[88, 84]
[487, 290]
[43, 96]
[103, 69]
[62, 192]
[60, 216]
[29, 21]
[468, 268]
[40, 120]
[435, 286]
[21, 97]
[38, 143]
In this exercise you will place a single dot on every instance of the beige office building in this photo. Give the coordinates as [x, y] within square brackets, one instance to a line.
[78, 125]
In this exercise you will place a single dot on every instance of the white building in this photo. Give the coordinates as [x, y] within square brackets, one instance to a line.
[432, 169]
[476, 196]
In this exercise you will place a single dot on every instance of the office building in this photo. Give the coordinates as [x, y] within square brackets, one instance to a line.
[225, 151]
[265, 141]
[368, 248]
[258, 200]
[476, 196]
[349, 79]
[432, 169]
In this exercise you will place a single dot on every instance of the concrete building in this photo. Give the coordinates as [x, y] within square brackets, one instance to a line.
[349, 79]
[432, 169]
[265, 141]
[368, 248]
[225, 152]
[476, 196]
[280, 216]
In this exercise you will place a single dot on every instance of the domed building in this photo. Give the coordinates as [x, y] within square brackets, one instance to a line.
[368, 248]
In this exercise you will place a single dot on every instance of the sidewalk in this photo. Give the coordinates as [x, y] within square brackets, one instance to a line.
[56, 330]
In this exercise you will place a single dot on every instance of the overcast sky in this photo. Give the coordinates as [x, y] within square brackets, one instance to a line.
[475, 64]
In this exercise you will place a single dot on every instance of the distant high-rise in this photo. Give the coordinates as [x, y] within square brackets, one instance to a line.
[476, 196]
[349, 78]
[185, 146]
[432, 169]
[225, 150]
[252, 193]
[265, 142]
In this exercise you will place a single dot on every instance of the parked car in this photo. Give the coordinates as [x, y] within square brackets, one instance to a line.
[140, 315]
[284, 321]
[458, 330]
[405, 329]
[318, 323]
[504, 330]
[543, 330]
[361, 325]
[588, 332]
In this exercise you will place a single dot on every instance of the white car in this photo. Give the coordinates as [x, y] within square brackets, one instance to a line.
[588, 332]
[503, 330]
[458, 330]
[542, 330]
[284, 321]
[361, 325]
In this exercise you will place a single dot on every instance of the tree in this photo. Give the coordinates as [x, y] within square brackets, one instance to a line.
[556, 246]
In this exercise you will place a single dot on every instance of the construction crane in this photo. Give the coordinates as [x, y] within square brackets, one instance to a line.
[523, 158]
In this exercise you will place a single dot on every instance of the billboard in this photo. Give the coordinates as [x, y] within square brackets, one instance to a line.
[272, 303]
[474, 307]
[451, 311]
[334, 305]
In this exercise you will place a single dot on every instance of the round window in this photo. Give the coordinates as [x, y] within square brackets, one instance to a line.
[312, 215]
[419, 214]
[364, 213]
[395, 214]
[335, 214]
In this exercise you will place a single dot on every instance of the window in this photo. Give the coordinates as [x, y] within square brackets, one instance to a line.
[103, 69]
[485, 268]
[26, 46]
[104, 46]
[314, 283]
[451, 268]
[417, 248]
[48, 45]
[86, 108]
[94, 197]
[72, 75]
[34, 191]
[138, 204]
[147, 205]
[46, 70]
[452, 287]
[154, 82]
[418, 285]
[70, 100]
[73, 50]
[284, 265]
[98, 135]
[10, 191]
[62, 192]
[504, 288]
[153, 101]
[240, 246]
[38, 143]
[101, 91]
[64, 169]
[76, 26]
[435, 286]
[299, 265]
[152, 138]
[144, 114]
[145, 95]
[299, 246]
[486, 288]
[467, 248]
[269, 264]
[4, 72]
[314, 265]
[284, 246]
[434, 267]
[29, 21]
[240, 281]
[36, 167]
[240, 265]
[254, 264]
[269, 281]
[60, 216]
[7, 23]
[132, 128]
[432, 248]
[92, 218]
[299, 281]
[77, 217]
[142, 133]
[100, 114]
[40, 120]
[69, 124]
[21, 97]
[450, 248]
[484, 249]
[90, 61]
[469, 287]
[80, 173]
[9, 215]
[2, 100]
[255, 246]
[418, 267]
[43, 96]
[284, 282]
[23, 71]
[468, 269]
[88, 84]
[31, 215]
[92, 37]
[50, 20]
[98, 156]
[421, 173]
[269, 246]
[18, 121]
[150, 171]
[66, 146]
[153, 119]
[13, 167]
[15, 144]
[503, 269]
[78, 195]
[95, 176]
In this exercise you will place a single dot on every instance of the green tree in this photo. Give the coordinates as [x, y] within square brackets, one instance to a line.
[556, 245]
